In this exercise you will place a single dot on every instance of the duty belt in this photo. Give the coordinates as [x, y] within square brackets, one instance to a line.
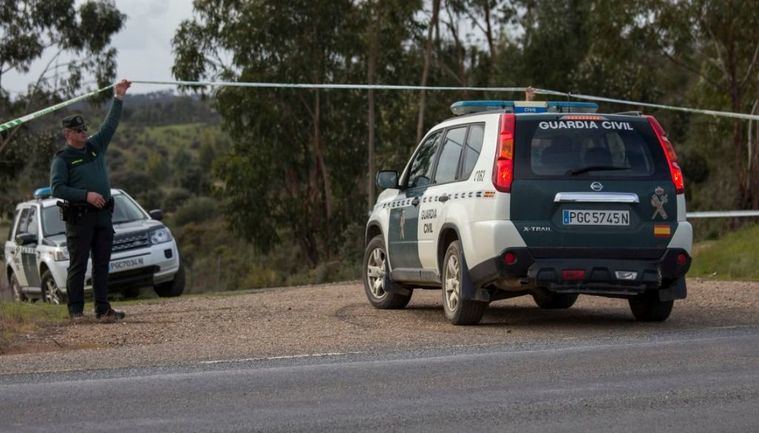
[73, 212]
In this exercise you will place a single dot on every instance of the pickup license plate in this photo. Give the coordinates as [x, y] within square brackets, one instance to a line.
[584, 217]
[125, 264]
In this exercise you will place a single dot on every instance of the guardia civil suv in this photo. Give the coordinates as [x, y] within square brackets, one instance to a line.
[548, 199]
[144, 253]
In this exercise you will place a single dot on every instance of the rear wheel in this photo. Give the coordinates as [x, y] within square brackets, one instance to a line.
[18, 294]
[459, 311]
[376, 278]
[51, 293]
[554, 301]
[648, 308]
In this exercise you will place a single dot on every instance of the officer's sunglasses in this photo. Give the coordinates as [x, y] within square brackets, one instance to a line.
[80, 129]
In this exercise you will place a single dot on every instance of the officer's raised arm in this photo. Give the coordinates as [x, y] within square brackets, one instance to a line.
[102, 138]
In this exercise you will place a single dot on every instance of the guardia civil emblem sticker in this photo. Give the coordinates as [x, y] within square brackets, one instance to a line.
[658, 200]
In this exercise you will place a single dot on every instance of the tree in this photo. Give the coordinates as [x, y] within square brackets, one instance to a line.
[277, 174]
[30, 30]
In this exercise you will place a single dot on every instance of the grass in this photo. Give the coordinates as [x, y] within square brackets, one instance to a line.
[18, 318]
[735, 256]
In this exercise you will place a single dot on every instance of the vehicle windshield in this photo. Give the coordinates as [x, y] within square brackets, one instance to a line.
[52, 224]
[124, 210]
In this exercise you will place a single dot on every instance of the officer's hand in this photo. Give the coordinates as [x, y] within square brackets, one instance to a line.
[95, 199]
[121, 87]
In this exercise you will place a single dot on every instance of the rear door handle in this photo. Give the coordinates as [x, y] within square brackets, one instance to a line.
[444, 198]
[415, 201]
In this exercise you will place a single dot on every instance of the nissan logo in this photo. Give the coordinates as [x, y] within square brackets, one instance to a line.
[596, 186]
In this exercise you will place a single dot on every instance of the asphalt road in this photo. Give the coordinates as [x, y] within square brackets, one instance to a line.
[685, 381]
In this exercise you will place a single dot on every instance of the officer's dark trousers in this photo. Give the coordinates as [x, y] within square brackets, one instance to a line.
[82, 237]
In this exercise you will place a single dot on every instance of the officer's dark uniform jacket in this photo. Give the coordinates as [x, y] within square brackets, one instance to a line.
[75, 172]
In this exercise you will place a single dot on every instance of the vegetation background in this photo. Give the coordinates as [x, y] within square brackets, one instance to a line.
[268, 187]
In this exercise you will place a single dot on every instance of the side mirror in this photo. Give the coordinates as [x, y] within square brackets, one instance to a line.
[156, 214]
[26, 239]
[387, 179]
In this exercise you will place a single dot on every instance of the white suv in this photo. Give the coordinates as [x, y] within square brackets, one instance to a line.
[144, 252]
[541, 198]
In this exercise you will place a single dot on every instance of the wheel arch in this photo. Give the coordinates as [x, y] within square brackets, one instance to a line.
[449, 232]
[372, 229]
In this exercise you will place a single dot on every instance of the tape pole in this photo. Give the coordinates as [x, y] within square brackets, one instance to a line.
[21, 120]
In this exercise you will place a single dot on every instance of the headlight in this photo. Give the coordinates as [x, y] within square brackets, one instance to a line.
[160, 236]
[61, 255]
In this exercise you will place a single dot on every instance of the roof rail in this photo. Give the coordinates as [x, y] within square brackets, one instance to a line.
[630, 113]
[469, 107]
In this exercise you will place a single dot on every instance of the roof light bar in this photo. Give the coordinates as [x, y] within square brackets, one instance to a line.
[41, 193]
[469, 107]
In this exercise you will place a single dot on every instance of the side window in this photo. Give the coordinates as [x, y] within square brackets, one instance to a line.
[472, 149]
[23, 222]
[420, 172]
[448, 162]
[33, 227]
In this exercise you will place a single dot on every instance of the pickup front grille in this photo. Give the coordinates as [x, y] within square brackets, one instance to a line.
[130, 241]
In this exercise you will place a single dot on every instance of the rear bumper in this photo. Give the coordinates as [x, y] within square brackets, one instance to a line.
[594, 271]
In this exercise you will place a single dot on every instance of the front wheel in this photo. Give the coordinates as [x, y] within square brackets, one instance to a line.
[648, 308]
[376, 278]
[459, 311]
[51, 293]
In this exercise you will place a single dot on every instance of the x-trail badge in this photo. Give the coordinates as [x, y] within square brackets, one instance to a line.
[596, 186]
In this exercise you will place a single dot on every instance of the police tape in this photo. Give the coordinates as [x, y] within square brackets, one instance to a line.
[723, 214]
[261, 85]
[21, 120]
[539, 91]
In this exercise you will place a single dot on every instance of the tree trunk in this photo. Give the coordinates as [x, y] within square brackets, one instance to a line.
[426, 68]
[322, 173]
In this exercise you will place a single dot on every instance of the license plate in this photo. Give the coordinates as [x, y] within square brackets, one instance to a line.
[582, 217]
[123, 265]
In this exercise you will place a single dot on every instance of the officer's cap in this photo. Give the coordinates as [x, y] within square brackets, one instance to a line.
[73, 122]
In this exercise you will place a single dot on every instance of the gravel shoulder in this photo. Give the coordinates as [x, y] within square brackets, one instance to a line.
[337, 318]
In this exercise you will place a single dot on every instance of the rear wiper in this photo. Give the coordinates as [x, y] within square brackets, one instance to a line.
[575, 171]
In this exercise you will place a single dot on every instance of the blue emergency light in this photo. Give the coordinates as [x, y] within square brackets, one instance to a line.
[469, 107]
[41, 193]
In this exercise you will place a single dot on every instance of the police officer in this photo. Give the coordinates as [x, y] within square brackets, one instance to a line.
[79, 175]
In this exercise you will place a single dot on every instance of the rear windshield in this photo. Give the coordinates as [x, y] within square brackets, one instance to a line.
[587, 148]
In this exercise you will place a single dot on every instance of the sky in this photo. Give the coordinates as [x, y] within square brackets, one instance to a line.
[143, 44]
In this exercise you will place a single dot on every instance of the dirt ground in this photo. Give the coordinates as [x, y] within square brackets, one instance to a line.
[337, 318]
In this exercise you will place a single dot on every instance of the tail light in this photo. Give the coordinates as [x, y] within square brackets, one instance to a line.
[503, 168]
[669, 150]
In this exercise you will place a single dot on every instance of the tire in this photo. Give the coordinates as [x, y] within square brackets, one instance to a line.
[458, 311]
[51, 293]
[130, 293]
[376, 278]
[16, 292]
[173, 288]
[648, 308]
[554, 301]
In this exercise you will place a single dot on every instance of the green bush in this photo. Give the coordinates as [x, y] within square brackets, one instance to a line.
[195, 210]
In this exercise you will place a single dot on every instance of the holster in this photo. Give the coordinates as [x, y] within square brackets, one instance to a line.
[72, 212]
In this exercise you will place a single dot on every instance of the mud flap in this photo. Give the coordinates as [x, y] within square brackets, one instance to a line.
[391, 287]
[469, 292]
[676, 290]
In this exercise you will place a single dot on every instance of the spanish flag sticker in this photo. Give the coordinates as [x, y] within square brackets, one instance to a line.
[662, 230]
